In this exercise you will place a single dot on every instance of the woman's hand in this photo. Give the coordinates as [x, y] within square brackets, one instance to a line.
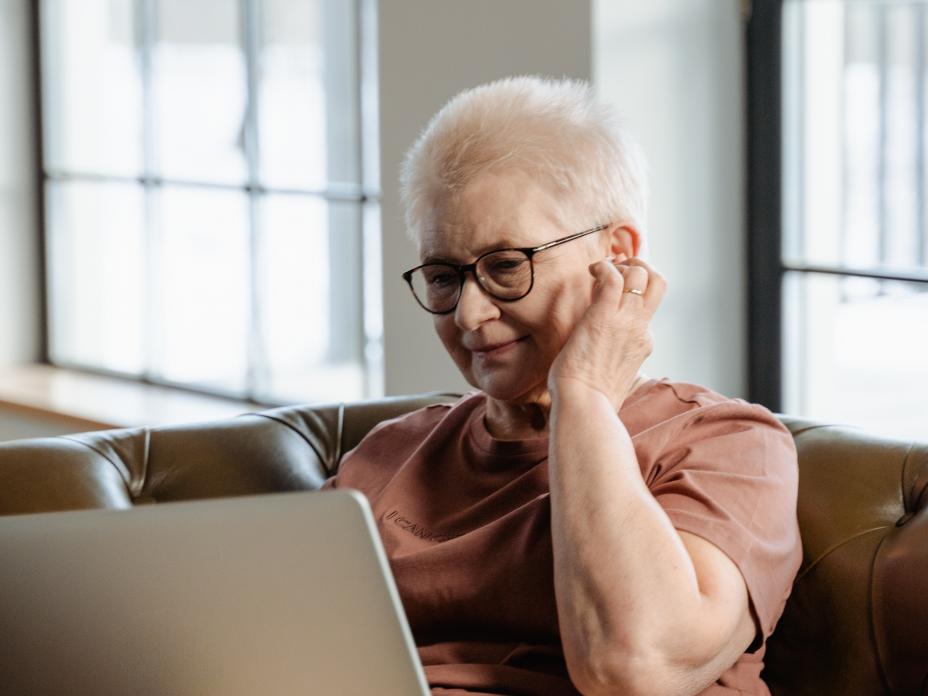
[612, 339]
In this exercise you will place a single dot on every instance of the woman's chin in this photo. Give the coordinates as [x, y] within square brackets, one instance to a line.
[509, 391]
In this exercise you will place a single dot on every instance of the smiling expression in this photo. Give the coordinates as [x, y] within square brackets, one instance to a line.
[506, 348]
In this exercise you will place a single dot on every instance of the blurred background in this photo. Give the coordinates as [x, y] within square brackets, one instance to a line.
[199, 208]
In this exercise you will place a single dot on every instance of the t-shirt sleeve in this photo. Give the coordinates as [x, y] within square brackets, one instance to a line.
[730, 476]
[367, 441]
[370, 464]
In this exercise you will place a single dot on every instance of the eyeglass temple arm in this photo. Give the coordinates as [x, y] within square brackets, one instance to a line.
[568, 239]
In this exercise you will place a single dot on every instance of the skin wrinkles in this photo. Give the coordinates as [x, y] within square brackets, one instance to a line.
[499, 210]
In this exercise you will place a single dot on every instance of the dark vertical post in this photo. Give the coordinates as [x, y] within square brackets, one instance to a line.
[39, 121]
[765, 272]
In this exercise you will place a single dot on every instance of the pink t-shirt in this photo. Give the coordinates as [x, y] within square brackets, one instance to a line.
[466, 523]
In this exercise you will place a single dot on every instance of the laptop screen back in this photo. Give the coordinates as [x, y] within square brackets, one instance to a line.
[275, 594]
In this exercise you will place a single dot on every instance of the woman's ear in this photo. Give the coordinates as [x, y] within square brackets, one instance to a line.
[624, 241]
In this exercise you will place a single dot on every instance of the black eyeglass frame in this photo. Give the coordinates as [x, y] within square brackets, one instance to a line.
[463, 268]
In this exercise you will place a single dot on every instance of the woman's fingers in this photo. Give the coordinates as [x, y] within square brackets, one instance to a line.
[609, 283]
[636, 278]
[614, 280]
[655, 284]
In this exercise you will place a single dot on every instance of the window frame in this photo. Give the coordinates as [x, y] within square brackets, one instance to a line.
[766, 266]
[366, 194]
[764, 200]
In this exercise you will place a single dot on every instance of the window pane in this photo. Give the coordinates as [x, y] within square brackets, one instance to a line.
[310, 271]
[854, 91]
[180, 279]
[96, 274]
[92, 87]
[203, 288]
[855, 352]
[200, 90]
[308, 110]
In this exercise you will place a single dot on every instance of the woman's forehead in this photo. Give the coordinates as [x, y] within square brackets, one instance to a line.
[463, 242]
[493, 212]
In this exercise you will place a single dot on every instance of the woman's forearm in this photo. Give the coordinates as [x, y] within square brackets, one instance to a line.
[628, 597]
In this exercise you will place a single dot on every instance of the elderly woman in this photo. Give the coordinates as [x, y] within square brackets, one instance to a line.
[570, 526]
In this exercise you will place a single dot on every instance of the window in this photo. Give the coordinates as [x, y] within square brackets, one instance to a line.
[839, 211]
[211, 195]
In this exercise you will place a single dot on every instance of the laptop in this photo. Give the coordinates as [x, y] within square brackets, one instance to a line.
[274, 594]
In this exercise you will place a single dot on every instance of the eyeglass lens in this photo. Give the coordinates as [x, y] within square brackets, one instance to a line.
[505, 274]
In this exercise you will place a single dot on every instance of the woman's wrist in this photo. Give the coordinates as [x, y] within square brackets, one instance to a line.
[570, 391]
[573, 390]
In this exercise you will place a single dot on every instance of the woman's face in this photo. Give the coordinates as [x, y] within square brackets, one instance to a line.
[506, 348]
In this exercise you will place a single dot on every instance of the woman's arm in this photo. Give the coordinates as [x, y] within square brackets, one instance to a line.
[642, 608]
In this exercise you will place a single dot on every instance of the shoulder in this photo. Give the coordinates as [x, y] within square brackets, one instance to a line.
[384, 449]
[685, 433]
[428, 417]
[685, 407]
[405, 432]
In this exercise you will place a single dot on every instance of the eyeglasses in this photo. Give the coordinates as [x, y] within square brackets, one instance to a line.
[506, 274]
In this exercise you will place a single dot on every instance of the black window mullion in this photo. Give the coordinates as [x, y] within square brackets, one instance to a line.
[765, 270]
[38, 104]
[881, 273]
[332, 193]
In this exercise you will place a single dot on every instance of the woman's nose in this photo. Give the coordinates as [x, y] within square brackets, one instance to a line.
[475, 306]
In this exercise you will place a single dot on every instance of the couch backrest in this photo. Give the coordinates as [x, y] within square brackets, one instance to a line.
[857, 620]
[284, 449]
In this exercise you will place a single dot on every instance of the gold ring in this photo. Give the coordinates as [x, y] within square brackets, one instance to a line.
[635, 291]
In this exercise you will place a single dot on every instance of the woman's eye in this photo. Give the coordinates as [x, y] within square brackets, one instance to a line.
[440, 280]
[505, 265]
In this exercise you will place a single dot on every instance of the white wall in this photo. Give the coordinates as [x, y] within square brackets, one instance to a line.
[675, 70]
[17, 426]
[19, 297]
[430, 50]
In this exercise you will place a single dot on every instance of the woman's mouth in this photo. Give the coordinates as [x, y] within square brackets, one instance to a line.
[496, 349]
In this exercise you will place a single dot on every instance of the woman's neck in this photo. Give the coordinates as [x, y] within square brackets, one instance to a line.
[527, 419]
[518, 421]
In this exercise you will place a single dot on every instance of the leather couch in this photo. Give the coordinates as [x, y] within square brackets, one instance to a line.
[857, 619]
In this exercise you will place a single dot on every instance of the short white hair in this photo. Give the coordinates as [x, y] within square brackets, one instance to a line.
[553, 130]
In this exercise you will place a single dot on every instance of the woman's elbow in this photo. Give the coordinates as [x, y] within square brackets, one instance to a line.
[629, 676]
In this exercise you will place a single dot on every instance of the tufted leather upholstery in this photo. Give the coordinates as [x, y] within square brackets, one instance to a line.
[856, 623]
[857, 620]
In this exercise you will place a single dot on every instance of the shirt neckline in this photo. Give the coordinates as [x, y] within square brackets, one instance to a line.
[483, 440]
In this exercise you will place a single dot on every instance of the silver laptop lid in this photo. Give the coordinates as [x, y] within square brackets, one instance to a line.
[275, 594]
